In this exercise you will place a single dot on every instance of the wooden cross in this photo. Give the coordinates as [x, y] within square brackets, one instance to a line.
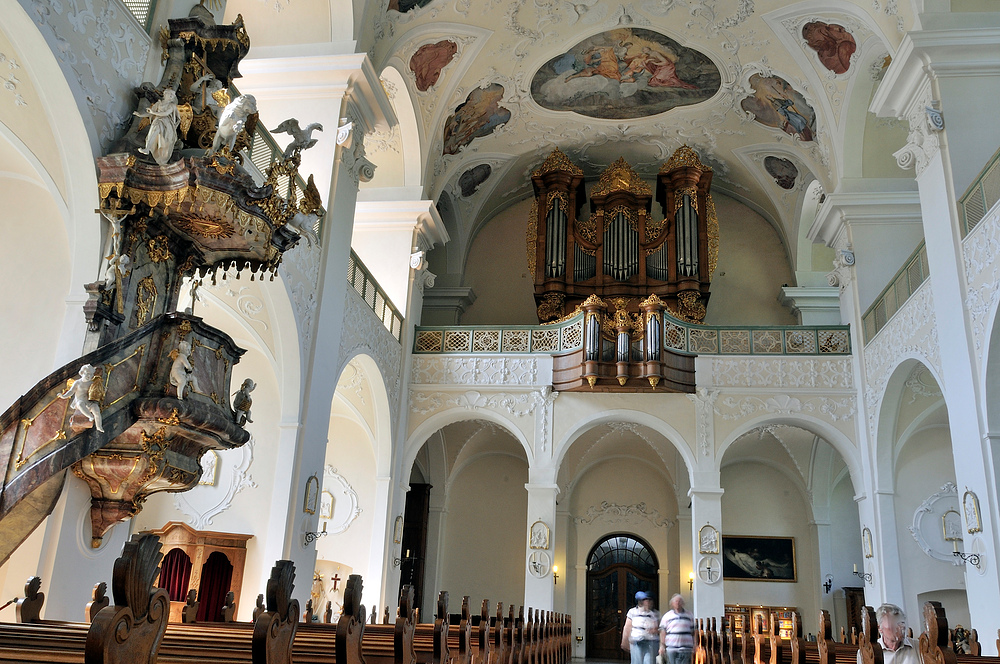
[335, 579]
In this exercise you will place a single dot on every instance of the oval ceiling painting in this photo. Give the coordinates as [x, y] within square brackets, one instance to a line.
[625, 73]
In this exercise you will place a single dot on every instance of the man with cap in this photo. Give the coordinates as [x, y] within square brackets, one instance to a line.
[641, 635]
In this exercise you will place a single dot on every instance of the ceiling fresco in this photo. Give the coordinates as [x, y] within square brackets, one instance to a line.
[625, 73]
[497, 84]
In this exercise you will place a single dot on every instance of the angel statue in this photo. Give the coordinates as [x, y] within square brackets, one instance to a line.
[163, 120]
[301, 138]
[242, 402]
[181, 371]
[232, 121]
[85, 396]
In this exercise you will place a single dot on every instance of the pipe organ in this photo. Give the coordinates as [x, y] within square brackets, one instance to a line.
[619, 249]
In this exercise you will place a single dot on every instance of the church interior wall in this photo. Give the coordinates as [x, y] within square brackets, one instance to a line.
[485, 533]
[845, 524]
[880, 250]
[760, 499]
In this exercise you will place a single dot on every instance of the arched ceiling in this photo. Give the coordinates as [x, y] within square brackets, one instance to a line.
[487, 80]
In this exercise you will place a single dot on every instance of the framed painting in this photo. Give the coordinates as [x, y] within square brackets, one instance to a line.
[751, 558]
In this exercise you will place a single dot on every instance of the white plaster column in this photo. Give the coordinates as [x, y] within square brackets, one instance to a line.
[938, 77]
[437, 529]
[708, 599]
[330, 89]
[539, 590]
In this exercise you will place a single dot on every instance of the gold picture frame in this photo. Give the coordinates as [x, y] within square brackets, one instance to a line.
[311, 498]
[970, 503]
[951, 526]
[325, 505]
[866, 543]
[708, 539]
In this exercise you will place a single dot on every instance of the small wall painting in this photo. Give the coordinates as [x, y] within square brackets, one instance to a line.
[970, 503]
[539, 535]
[748, 558]
[428, 61]
[311, 498]
[403, 6]
[833, 44]
[471, 179]
[479, 115]
[708, 539]
[326, 505]
[782, 170]
[775, 103]
[625, 73]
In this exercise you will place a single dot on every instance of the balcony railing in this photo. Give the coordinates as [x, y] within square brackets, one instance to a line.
[913, 273]
[369, 290]
[677, 336]
[981, 195]
[142, 10]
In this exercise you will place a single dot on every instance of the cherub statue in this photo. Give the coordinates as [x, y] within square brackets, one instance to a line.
[118, 268]
[181, 371]
[310, 210]
[242, 402]
[232, 121]
[163, 121]
[301, 138]
[86, 395]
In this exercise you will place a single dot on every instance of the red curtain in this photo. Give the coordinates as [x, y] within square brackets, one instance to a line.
[175, 573]
[216, 575]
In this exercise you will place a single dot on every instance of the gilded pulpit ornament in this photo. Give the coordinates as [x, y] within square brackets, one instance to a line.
[242, 402]
[181, 370]
[86, 395]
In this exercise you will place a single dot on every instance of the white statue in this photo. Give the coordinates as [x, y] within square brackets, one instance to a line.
[86, 395]
[232, 121]
[195, 285]
[163, 121]
[214, 97]
[118, 268]
[301, 138]
[181, 371]
[242, 402]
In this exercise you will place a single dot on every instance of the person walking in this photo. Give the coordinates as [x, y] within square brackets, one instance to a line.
[641, 634]
[677, 633]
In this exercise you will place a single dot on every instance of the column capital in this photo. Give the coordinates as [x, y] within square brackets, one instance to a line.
[540, 487]
[420, 216]
[705, 492]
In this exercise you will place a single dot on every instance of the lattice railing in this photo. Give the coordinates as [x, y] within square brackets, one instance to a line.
[981, 195]
[142, 10]
[902, 285]
[677, 335]
[373, 295]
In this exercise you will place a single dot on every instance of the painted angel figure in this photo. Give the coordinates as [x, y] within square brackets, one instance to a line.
[181, 371]
[242, 402]
[163, 120]
[85, 396]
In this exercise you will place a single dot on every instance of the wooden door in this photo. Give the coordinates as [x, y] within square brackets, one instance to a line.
[618, 568]
[855, 601]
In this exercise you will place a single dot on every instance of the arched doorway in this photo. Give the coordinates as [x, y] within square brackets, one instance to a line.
[618, 567]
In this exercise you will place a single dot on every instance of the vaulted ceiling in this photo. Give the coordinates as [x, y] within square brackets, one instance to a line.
[493, 82]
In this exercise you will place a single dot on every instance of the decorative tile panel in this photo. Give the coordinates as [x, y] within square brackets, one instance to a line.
[544, 341]
[457, 341]
[515, 341]
[704, 341]
[572, 335]
[673, 336]
[767, 341]
[486, 341]
[800, 341]
[429, 341]
[736, 342]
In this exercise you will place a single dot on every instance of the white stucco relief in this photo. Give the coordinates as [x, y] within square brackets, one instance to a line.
[205, 502]
[981, 251]
[364, 333]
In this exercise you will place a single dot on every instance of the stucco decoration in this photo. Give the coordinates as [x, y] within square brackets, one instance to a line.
[625, 73]
[444, 370]
[346, 507]
[833, 374]
[628, 515]
[102, 51]
[921, 384]
[927, 529]
[516, 404]
[363, 332]
[981, 253]
[299, 272]
[9, 78]
[922, 142]
[835, 409]
[911, 332]
[205, 502]
[704, 405]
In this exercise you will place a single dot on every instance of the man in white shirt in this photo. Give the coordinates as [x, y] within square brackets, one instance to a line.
[897, 648]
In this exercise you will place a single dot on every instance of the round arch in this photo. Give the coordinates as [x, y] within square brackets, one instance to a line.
[625, 415]
[410, 135]
[381, 426]
[438, 421]
[837, 439]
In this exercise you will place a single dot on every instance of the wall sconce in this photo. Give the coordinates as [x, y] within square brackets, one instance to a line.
[828, 583]
[867, 576]
[312, 537]
[396, 562]
[555, 575]
[690, 581]
[579, 637]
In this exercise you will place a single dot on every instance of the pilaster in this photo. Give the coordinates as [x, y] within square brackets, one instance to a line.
[539, 589]
[708, 598]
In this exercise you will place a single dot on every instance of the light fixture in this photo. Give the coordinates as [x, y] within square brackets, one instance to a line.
[312, 537]
[690, 581]
[828, 583]
[971, 558]
[555, 575]
[396, 562]
[867, 576]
